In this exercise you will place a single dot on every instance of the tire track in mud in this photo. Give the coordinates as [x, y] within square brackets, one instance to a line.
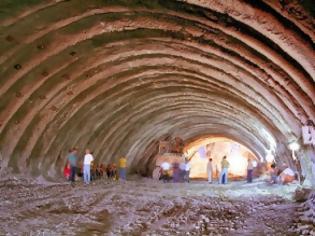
[133, 209]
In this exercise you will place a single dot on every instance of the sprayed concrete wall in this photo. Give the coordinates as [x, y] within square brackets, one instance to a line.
[117, 76]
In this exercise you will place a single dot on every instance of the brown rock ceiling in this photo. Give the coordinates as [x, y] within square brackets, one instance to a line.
[118, 75]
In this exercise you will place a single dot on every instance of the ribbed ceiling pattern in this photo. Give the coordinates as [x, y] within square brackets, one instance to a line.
[116, 76]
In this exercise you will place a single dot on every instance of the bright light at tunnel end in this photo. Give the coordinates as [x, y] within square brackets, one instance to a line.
[294, 146]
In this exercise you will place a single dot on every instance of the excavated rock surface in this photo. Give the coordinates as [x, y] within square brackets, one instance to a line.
[305, 221]
[144, 207]
[117, 76]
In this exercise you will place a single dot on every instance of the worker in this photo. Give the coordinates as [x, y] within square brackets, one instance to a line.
[273, 173]
[165, 175]
[72, 159]
[250, 169]
[88, 159]
[224, 171]
[122, 168]
[210, 170]
[187, 171]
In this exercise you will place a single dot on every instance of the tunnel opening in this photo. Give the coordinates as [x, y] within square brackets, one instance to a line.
[194, 154]
[201, 150]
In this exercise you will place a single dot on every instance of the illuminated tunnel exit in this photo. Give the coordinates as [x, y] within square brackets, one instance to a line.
[216, 148]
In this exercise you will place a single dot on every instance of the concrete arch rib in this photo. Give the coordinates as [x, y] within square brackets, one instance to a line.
[145, 70]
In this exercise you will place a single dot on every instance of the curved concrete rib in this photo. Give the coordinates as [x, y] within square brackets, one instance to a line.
[117, 76]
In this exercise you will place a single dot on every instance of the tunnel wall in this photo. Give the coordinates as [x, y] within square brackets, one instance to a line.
[116, 76]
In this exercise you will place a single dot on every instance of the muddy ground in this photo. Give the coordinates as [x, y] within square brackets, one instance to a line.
[145, 207]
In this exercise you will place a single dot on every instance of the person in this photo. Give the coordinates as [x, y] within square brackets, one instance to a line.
[122, 168]
[80, 169]
[176, 172]
[111, 171]
[93, 170]
[187, 171]
[287, 176]
[88, 158]
[67, 171]
[182, 171]
[165, 169]
[108, 171]
[250, 169]
[72, 159]
[209, 170]
[101, 170]
[273, 173]
[224, 171]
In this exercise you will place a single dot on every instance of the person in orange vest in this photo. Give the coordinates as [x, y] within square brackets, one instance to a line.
[122, 168]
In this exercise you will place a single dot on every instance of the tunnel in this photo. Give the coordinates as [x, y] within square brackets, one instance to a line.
[119, 76]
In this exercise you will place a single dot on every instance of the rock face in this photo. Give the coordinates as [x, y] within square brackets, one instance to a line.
[116, 76]
[305, 221]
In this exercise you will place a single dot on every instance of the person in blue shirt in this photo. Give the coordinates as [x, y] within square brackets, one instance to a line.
[72, 159]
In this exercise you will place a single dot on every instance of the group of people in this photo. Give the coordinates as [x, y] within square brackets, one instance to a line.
[98, 171]
[179, 172]
[223, 178]
[90, 170]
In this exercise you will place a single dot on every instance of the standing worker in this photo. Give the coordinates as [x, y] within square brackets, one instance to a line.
[209, 170]
[187, 170]
[72, 159]
[122, 168]
[250, 168]
[88, 158]
[224, 171]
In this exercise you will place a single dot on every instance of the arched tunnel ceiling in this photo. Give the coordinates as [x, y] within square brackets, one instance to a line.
[115, 76]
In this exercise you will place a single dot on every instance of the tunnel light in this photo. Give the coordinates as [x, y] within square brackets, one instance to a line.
[294, 146]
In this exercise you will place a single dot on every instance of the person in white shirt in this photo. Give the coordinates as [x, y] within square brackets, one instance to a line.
[209, 170]
[165, 166]
[187, 170]
[88, 158]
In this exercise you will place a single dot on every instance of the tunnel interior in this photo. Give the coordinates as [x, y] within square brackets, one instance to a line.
[120, 77]
[117, 76]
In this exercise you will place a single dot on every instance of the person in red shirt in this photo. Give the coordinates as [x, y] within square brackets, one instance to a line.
[66, 171]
